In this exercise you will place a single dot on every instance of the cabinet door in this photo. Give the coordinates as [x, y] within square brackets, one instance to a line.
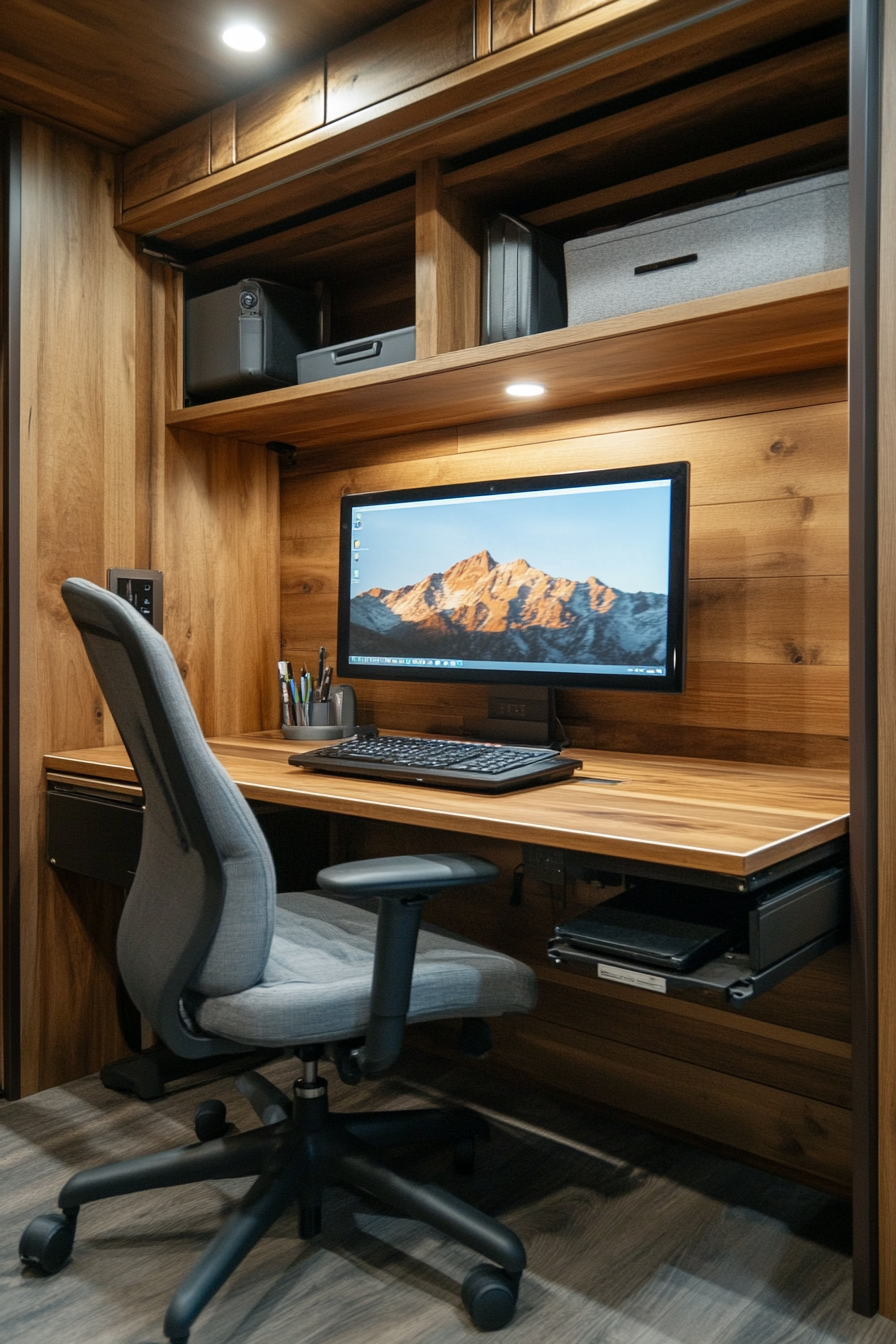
[421, 45]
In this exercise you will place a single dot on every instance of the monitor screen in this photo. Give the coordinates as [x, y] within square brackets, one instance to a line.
[567, 580]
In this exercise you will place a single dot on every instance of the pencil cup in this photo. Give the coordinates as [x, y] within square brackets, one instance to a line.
[324, 725]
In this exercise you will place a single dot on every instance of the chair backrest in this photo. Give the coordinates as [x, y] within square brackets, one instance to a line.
[199, 916]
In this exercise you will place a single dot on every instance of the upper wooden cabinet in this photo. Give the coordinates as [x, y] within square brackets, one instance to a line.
[421, 88]
[368, 177]
[413, 49]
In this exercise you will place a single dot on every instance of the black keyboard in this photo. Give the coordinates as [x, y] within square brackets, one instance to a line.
[479, 766]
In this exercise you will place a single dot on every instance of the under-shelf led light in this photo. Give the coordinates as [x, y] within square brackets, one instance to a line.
[524, 390]
[244, 37]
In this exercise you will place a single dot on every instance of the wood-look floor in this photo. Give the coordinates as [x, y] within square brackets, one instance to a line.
[632, 1239]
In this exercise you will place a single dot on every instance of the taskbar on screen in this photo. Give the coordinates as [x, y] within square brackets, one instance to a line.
[546, 669]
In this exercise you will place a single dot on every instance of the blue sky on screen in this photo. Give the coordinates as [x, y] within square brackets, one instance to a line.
[620, 535]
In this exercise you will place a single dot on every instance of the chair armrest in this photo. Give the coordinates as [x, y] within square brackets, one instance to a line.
[402, 886]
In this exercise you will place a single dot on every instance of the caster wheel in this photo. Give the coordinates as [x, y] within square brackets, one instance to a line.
[464, 1160]
[210, 1120]
[489, 1295]
[47, 1242]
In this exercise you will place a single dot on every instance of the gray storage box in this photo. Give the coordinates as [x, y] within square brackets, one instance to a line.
[770, 234]
[374, 352]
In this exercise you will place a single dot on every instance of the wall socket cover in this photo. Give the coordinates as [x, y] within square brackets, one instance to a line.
[143, 589]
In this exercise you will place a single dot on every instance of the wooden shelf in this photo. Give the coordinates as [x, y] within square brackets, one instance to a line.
[780, 328]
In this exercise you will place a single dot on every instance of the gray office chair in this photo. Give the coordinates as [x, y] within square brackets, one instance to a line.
[215, 960]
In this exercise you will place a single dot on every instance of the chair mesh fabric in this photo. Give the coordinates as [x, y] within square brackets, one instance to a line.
[204, 892]
[316, 985]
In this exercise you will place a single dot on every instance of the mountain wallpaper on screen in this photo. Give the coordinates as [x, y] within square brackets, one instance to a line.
[482, 611]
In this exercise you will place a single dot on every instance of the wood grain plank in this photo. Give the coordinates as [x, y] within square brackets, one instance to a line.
[751, 397]
[550, 12]
[769, 620]
[723, 1048]
[448, 243]
[80, 474]
[221, 502]
[512, 21]
[798, 536]
[755, 396]
[222, 137]
[279, 112]
[717, 816]
[175, 159]
[419, 46]
[483, 28]
[811, 1137]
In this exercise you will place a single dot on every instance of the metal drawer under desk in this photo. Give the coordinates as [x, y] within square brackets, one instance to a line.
[783, 928]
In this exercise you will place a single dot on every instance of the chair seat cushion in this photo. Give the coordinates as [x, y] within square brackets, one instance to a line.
[316, 984]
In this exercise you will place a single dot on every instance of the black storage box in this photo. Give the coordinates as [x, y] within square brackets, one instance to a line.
[245, 338]
[523, 281]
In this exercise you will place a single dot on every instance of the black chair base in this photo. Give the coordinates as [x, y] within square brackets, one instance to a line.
[300, 1150]
[145, 1074]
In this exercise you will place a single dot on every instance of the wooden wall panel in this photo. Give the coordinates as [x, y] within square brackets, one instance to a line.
[103, 484]
[418, 46]
[767, 649]
[79, 507]
[222, 608]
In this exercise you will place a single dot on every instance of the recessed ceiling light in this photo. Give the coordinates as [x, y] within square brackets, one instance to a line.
[524, 390]
[244, 37]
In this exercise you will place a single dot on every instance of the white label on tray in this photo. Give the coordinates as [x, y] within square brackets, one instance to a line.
[637, 979]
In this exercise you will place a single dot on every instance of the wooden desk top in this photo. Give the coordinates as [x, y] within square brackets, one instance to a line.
[717, 816]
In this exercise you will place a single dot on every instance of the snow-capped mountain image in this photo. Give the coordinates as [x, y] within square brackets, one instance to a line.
[479, 610]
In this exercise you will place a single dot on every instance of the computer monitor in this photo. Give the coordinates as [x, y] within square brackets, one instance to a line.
[573, 580]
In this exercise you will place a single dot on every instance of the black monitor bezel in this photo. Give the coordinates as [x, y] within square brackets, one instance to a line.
[674, 680]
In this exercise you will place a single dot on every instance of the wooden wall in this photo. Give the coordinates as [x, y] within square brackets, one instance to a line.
[103, 484]
[78, 509]
[767, 681]
[767, 654]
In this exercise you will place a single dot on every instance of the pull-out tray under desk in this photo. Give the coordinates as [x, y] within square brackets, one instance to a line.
[728, 818]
